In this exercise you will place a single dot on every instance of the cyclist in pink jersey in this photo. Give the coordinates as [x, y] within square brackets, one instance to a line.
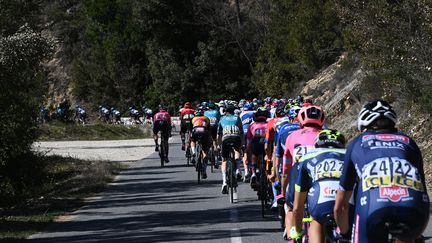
[311, 120]
[255, 141]
[162, 123]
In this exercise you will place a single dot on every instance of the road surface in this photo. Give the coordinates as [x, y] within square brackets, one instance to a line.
[147, 203]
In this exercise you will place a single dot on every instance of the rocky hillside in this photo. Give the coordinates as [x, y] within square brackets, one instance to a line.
[343, 88]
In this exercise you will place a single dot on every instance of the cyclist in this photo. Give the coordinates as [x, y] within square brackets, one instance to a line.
[162, 123]
[214, 116]
[186, 115]
[311, 120]
[391, 189]
[247, 118]
[201, 134]
[270, 134]
[230, 130]
[318, 180]
[255, 141]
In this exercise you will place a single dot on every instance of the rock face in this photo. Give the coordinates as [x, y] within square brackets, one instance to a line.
[342, 91]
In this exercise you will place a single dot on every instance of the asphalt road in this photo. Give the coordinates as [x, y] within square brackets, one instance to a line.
[148, 203]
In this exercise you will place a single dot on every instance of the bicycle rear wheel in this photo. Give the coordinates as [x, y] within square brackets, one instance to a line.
[162, 152]
[231, 180]
[262, 186]
[199, 163]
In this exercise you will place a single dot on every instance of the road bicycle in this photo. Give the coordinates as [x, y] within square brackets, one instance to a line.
[231, 169]
[212, 158]
[265, 192]
[200, 163]
[188, 152]
[163, 150]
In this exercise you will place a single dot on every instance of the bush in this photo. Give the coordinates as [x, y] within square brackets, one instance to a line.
[21, 91]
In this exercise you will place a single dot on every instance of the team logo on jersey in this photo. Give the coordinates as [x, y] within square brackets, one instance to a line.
[329, 192]
[393, 193]
[386, 138]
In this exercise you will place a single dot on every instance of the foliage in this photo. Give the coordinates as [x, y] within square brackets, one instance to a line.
[20, 81]
[393, 39]
[304, 36]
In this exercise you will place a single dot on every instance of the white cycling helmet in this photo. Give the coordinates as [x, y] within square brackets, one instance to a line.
[374, 111]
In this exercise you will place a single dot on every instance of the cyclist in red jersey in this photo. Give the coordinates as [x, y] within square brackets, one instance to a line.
[161, 122]
[186, 115]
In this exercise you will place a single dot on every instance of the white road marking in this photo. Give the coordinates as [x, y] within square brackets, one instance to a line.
[235, 232]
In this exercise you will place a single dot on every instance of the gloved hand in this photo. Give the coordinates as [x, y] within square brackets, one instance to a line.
[295, 235]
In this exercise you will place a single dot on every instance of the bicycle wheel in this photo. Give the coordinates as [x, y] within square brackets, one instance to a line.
[231, 180]
[211, 158]
[262, 185]
[199, 163]
[188, 152]
[162, 152]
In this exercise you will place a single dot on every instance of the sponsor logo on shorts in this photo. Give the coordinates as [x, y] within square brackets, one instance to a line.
[329, 192]
[393, 193]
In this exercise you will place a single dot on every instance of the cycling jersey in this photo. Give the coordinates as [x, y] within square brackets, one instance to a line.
[391, 186]
[200, 131]
[230, 125]
[231, 129]
[305, 136]
[256, 137]
[214, 116]
[247, 119]
[187, 113]
[161, 122]
[319, 175]
[271, 126]
[283, 133]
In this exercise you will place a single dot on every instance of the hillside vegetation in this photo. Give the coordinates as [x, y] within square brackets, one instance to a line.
[147, 52]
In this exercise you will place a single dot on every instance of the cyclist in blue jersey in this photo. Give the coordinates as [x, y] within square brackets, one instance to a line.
[230, 130]
[247, 118]
[317, 181]
[387, 167]
[214, 115]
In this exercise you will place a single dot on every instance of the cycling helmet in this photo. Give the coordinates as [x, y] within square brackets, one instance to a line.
[211, 105]
[162, 107]
[221, 103]
[199, 112]
[330, 138]
[374, 112]
[293, 112]
[261, 114]
[280, 111]
[259, 103]
[248, 107]
[187, 105]
[300, 98]
[230, 107]
[311, 115]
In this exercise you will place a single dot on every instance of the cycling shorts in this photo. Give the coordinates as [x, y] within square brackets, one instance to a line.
[228, 142]
[289, 196]
[200, 134]
[185, 125]
[321, 200]
[162, 126]
[372, 215]
[257, 145]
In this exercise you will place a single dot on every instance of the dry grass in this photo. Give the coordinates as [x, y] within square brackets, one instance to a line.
[66, 183]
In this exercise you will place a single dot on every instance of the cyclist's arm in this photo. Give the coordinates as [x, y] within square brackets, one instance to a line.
[346, 186]
[286, 166]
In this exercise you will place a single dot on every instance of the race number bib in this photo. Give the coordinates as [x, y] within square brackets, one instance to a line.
[299, 151]
[385, 172]
[328, 168]
[231, 130]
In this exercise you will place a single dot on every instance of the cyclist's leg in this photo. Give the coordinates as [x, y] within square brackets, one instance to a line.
[206, 143]
[316, 232]
[290, 195]
[155, 135]
[225, 154]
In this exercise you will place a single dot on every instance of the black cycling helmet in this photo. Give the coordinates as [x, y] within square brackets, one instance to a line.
[280, 111]
[330, 138]
[211, 105]
[162, 108]
[261, 114]
[230, 108]
[199, 111]
[377, 114]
